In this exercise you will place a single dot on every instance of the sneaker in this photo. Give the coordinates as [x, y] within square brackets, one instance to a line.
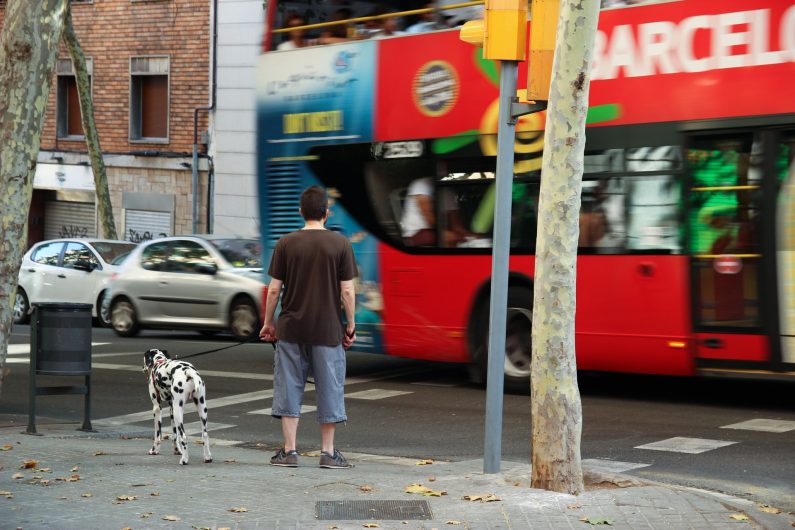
[285, 458]
[335, 461]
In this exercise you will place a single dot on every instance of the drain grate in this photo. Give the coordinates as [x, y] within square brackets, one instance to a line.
[360, 510]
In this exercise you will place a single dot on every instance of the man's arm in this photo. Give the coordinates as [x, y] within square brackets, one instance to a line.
[268, 331]
[349, 305]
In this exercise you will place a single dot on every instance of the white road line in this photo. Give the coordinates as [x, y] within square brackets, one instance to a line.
[24, 349]
[267, 412]
[681, 444]
[611, 466]
[376, 393]
[763, 425]
[213, 404]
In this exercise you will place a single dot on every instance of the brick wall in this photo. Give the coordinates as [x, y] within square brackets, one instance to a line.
[110, 32]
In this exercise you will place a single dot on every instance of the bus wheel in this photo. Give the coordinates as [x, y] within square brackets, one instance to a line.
[518, 343]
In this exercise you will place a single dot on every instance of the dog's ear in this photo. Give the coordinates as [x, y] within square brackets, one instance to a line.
[165, 353]
[149, 356]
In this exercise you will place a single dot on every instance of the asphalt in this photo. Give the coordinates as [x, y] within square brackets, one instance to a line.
[106, 479]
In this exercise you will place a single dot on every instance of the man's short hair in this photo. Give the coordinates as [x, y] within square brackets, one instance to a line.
[314, 203]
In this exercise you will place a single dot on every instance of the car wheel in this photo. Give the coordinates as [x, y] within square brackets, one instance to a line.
[518, 341]
[243, 319]
[123, 318]
[21, 307]
[103, 311]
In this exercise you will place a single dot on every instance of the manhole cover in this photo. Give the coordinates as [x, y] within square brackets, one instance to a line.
[360, 510]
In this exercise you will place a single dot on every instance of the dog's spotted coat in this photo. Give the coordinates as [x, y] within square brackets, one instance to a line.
[174, 383]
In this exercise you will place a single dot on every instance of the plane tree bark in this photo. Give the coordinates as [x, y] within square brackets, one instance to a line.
[104, 207]
[556, 405]
[28, 49]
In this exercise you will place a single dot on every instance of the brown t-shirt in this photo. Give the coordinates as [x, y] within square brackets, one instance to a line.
[312, 263]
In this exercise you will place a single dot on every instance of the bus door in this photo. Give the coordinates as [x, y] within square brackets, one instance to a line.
[730, 195]
[785, 243]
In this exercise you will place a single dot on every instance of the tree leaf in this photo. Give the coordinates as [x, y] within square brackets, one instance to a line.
[87, 495]
[29, 464]
[126, 498]
[488, 497]
[425, 462]
[768, 509]
[240, 509]
[366, 488]
[596, 521]
[75, 469]
[370, 525]
[453, 522]
[417, 488]
[7, 447]
[100, 453]
[171, 518]
[739, 517]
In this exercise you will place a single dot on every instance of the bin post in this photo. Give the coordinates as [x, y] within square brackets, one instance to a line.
[60, 345]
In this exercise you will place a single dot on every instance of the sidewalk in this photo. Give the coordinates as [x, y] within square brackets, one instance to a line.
[106, 480]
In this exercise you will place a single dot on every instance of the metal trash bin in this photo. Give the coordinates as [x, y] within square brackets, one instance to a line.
[60, 344]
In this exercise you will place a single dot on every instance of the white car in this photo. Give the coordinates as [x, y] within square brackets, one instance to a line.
[67, 270]
[205, 283]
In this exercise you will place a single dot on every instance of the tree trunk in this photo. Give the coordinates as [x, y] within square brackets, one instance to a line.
[28, 48]
[556, 407]
[104, 207]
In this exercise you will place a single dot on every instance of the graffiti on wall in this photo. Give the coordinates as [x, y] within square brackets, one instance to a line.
[139, 237]
[73, 231]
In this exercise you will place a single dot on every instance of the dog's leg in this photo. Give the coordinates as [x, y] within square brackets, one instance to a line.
[201, 406]
[157, 411]
[174, 431]
[182, 439]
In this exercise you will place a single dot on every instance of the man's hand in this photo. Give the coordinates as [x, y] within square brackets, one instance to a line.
[350, 336]
[268, 333]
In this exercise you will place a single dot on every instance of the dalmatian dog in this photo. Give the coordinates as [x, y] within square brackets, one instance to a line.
[174, 383]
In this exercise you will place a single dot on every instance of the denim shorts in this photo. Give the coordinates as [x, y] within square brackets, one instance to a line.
[291, 367]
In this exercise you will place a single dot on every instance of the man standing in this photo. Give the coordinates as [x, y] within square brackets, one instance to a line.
[316, 267]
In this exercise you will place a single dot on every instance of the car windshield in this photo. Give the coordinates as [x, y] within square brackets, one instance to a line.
[242, 253]
[112, 250]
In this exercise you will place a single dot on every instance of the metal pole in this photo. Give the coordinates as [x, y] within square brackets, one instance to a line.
[195, 185]
[499, 269]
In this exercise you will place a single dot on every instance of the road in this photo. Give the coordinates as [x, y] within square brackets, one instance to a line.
[736, 437]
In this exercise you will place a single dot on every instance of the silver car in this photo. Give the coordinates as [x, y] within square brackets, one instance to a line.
[67, 270]
[206, 283]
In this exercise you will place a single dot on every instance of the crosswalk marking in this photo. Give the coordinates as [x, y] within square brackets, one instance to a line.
[681, 444]
[763, 425]
[267, 412]
[24, 349]
[375, 393]
[213, 404]
[611, 466]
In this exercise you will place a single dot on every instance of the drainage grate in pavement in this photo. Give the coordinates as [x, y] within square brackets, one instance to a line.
[360, 510]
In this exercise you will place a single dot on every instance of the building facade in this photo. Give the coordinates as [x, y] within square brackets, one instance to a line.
[149, 63]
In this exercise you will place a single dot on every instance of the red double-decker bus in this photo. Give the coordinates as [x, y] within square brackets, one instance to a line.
[687, 230]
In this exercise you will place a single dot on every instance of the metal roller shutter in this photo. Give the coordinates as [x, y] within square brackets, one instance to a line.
[69, 219]
[143, 225]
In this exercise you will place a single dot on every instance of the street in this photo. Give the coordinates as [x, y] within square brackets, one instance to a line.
[399, 407]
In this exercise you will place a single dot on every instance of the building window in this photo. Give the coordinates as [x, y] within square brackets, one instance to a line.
[149, 101]
[69, 122]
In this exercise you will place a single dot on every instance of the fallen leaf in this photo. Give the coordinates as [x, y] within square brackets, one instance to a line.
[73, 478]
[241, 509]
[488, 497]
[370, 525]
[45, 482]
[6, 494]
[140, 485]
[431, 479]
[224, 528]
[146, 515]
[63, 498]
[75, 469]
[310, 454]
[29, 464]
[100, 453]
[171, 518]
[595, 521]
[417, 488]
[127, 528]
[154, 494]
[453, 522]
[573, 506]
[6, 447]
[201, 527]
[87, 495]
[366, 488]
[126, 498]
[230, 461]
[39, 477]
[333, 527]
[739, 517]
[425, 462]
[43, 470]
[768, 509]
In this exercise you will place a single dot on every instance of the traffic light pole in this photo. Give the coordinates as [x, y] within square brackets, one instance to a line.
[499, 268]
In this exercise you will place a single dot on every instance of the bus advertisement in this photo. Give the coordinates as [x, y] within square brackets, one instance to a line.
[687, 238]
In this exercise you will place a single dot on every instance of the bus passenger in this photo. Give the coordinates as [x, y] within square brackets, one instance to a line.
[337, 32]
[418, 222]
[296, 37]
[426, 21]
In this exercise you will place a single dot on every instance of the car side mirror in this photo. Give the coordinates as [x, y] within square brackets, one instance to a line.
[83, 265]
[207, 268]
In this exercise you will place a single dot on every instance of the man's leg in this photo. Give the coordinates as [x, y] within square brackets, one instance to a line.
[290, 430]
[327, 437]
